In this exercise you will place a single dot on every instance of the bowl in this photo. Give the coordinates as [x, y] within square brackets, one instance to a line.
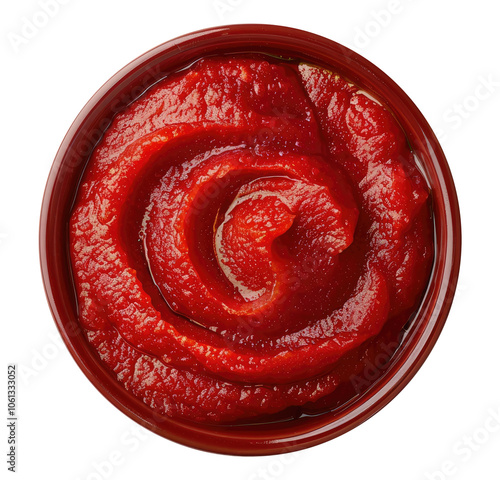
[70, 161]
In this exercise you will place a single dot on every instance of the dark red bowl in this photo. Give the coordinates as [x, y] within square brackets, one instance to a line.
[71, 160]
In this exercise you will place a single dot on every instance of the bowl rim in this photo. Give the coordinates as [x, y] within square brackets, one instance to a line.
[435, 305]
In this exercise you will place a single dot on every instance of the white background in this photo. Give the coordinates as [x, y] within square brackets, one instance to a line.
[440, 53]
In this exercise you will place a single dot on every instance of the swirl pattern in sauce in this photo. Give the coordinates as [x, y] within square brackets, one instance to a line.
[241, 231]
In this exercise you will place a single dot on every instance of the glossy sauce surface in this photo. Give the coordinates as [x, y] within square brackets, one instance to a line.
[247, 236]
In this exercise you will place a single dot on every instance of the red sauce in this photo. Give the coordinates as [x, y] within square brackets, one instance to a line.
[247, 236]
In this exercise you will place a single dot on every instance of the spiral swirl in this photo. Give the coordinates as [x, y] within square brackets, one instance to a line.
[239, 229]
